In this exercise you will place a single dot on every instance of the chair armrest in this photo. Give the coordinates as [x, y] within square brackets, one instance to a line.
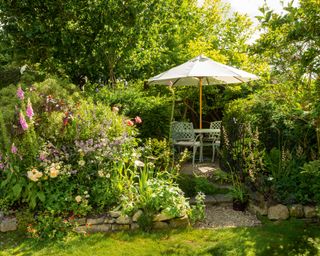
[198, 136]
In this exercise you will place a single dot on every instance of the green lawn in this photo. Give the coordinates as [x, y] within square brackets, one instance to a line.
[286, 238]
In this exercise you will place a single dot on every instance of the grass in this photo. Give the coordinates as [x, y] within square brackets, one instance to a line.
[293, 237]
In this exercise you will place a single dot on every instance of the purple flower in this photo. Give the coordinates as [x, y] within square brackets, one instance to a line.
[14, 149]
[29, 110]
[23, 122]
[20, 93]
[1, 166]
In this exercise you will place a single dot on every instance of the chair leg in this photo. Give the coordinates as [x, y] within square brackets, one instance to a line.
[201, 153]
[194, 155]
[213, 152]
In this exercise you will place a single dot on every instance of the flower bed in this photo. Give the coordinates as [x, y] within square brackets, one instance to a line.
[63, 156]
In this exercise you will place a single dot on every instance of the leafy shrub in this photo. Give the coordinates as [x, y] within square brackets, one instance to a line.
[155, 111]
[56, 161]
[310, 181]
[48, 226]
[198, 209]
[192, 185]
[67, 156]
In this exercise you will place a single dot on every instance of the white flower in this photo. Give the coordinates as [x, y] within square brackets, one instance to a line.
[108, 175]
[82, 162]
[138, 163]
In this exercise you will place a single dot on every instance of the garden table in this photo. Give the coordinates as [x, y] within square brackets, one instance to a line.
[202, 132]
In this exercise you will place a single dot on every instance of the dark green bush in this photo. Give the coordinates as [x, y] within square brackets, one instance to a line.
[191, 185]
[155, 111]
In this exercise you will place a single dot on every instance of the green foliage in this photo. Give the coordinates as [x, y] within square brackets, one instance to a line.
[110, 41]
[198, 209]
[238, 191]
[72, 156]
[291, 41]
[301, 186]
[192, 185]
[48, 226]
[153, 110]
[69, 142]
[153, 195]
[145, 221]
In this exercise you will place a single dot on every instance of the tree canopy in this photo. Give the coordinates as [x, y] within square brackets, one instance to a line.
[107, 40]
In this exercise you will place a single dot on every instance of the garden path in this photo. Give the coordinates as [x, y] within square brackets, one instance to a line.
[219, 212]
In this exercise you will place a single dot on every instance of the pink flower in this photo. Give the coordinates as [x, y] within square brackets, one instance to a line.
[1, 166]
[138, 120]
[23, 122]
[20, 93]
[42, 157]
[29, 110]
[14, 149]
[129, 123]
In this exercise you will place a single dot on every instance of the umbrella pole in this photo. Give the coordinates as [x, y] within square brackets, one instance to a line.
[200, 85]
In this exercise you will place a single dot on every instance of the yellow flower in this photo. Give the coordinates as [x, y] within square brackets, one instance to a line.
[38, 174]
[78, 199]
[101, 173]
[34, 175]
[53, 172]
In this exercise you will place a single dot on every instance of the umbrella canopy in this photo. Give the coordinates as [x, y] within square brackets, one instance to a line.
[200, 71]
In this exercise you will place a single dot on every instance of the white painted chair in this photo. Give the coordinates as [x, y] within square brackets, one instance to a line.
[213, 140]
[183, 135]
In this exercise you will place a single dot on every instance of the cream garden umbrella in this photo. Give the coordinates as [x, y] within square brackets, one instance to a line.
[201, 71]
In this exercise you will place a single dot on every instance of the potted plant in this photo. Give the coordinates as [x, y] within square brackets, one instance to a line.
[239, 194]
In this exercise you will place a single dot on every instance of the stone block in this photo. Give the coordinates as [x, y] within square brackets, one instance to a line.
[117, 227]
[81, 230]
[255, 209]
[80, 221]
[123, 219]
[310, 211]
[8, 224]
[296, 211]
[95, 221]
[137, 215]
[100, 228]
[160, 225]
[135, 226]
[179, 222]
[162, 217]
[109, 220]
[223, 198]
[115, 214]
[278, 212]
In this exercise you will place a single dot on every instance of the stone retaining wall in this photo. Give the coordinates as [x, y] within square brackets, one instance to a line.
[109, 222]
[258, 205]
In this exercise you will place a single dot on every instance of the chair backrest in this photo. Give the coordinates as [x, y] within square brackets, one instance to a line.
[215, 135]
[215, 125]
[182, 131]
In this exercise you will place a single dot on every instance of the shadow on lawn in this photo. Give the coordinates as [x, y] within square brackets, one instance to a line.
[281, 238]
[14, 243]
[293, 237]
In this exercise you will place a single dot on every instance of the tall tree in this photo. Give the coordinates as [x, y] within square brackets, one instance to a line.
[291, 41]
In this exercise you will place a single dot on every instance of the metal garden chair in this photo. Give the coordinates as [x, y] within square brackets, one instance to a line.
[213, 139]
[183, 135]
